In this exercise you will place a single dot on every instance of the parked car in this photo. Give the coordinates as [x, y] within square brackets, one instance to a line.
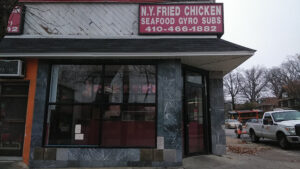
[282, 125]
[232, 123]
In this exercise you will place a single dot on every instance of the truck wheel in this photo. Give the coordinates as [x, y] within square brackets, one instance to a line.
[283, 143]
[253, 137]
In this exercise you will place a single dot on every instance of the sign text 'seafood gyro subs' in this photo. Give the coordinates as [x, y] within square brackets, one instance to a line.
[181, 19]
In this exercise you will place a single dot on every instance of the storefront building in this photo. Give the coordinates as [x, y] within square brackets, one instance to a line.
[94, 83]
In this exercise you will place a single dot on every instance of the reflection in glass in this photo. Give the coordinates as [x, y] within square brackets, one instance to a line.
[112, 112]
[130, 83]
[141, 82]
[194, 109]
[113, 84]
[193, 77]
[75, 83]
[65, 119]
[76, 99]
[136, 128]
[138, 113]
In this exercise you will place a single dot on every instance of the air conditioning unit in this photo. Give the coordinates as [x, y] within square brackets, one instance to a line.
[12, 68]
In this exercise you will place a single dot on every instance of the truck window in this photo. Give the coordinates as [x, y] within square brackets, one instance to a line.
[268, 118]
[287, 115]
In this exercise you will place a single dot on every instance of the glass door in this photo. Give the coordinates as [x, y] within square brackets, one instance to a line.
[13, 106]
[194, 104]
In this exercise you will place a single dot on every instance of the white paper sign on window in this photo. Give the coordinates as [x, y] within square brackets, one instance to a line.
[78, 128]
[79, 136]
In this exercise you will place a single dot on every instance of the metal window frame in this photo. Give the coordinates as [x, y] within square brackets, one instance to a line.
[103, 63]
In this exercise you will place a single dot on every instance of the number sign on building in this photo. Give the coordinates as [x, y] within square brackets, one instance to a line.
[16, 20]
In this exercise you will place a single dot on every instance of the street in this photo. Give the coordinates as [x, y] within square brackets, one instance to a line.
[263, 142]
[267, 151]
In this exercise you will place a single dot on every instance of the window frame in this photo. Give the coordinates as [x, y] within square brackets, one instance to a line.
[102, 105]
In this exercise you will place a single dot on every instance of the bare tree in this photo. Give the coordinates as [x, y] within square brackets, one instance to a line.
[291, 76]
[253, 83]
[291, 67]
[275, 78]
[6, 7]
[232, 86]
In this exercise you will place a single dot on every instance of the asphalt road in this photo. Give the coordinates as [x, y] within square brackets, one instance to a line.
[231, 133]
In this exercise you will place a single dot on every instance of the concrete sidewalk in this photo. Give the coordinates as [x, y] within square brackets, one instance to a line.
[228, 161]
[236, 161]
[12, 165]
[241, 154]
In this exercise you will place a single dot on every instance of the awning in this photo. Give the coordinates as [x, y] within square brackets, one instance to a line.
[211, 54]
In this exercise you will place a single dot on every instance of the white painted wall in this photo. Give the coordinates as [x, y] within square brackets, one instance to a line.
[81, 19]
[93, 20]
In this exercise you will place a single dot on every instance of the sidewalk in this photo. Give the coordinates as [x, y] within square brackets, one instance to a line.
[240, 155]
[236, 161]
[12, 165]
[228, 161]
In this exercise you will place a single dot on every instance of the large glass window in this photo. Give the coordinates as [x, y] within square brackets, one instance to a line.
[122, 113]
[75, 83]
[129, 84]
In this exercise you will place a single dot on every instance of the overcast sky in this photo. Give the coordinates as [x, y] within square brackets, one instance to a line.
[272, 27]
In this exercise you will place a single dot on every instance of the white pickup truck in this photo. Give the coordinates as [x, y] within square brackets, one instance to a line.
[282, 125]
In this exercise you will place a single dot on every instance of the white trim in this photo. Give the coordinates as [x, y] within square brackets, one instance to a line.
[114, 37]
[129, 55]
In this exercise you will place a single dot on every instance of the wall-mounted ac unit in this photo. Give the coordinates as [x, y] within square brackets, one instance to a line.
[11, 68]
